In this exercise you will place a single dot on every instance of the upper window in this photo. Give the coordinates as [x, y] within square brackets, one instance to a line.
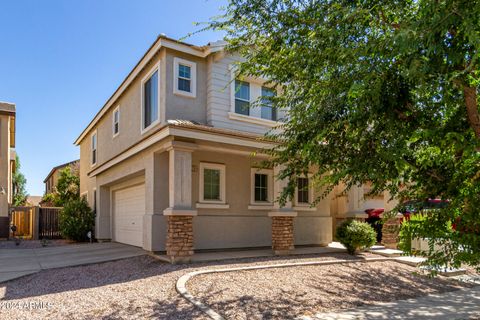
[268, 112]
[150, 105]
[116, 121]
[303, 191]
[242, 97]
[212, 183]
[94, 149]
[185, 77]
[262, 186]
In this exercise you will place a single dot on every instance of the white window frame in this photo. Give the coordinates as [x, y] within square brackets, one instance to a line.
[212, 166]
[269, 174]
[193, 77]
[255, 86]
[144, 80]
[94, 134]
[117, 109]
[310, 193]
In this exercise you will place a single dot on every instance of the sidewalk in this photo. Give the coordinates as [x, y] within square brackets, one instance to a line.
[15, 263]
[455, 305]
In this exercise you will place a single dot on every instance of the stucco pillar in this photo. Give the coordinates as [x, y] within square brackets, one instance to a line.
[4, 165]
[282, 219]
[103, 231]
[355, 204]
[180, 212]
[156, 172]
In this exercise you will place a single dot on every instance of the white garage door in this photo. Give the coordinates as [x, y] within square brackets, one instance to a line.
[129, 208]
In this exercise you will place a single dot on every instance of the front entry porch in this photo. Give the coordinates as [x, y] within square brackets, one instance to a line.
[205, 256]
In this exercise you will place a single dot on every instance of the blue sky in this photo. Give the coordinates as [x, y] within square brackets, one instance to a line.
[60, 60]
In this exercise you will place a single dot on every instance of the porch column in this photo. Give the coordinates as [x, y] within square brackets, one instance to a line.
[282, 220]
[180, 213]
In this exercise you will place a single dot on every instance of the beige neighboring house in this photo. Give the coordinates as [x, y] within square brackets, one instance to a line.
[52, 178]
[354, 203]
[7, 162]
[168, 162]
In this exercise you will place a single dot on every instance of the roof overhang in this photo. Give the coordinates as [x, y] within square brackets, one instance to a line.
[161, 42]
[204, 133]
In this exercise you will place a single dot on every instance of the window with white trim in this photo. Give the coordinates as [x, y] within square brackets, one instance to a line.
[212, 183]
[93, 148]
[242, 97]
[184, 82]
[303, 191]
[116, 122]
[150, 99]
[261, 186]
[268, 112]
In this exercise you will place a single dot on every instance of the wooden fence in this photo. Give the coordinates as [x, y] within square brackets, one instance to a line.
[35, 222]
[48, 223]
[23, 219]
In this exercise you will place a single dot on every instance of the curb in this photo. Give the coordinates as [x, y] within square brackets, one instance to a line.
[181, 284]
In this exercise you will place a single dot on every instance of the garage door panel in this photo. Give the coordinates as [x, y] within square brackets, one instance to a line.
[129, 209]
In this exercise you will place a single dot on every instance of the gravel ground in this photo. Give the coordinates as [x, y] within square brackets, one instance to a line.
[296, 291]
[144, 288]
[32, 244]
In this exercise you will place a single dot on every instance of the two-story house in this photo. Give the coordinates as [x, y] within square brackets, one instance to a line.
[7, 162]
[51, 179]
[171, 161]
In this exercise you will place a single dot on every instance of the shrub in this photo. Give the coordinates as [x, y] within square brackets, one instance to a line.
[356, 235]
[409, 230]
[76, 219]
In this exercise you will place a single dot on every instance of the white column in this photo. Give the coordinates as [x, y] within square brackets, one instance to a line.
[278, 187]
[180, 180]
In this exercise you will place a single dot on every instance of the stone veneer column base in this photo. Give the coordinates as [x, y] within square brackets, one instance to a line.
[390, 231]
[179, 238]
[282, 232]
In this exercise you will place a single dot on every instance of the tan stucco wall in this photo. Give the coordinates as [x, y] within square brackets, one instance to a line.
[7, 117]
[213, 228]
[4, 163]
[181, 107]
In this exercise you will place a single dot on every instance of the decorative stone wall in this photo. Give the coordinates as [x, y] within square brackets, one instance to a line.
[282, 235]
[390, 231]
[179, 238]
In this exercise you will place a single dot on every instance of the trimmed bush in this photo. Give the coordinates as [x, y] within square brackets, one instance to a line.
[356, 235]
[76, 219]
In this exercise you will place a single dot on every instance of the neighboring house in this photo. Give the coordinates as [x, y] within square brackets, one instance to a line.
[34, 201]
[354, 203]
[168, 162]
[52, 178]
[7, 162]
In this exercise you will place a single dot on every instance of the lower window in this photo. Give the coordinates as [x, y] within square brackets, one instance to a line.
[303, 192]
[212, 183]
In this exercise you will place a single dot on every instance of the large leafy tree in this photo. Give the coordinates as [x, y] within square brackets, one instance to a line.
[379, 91]
[19, 184]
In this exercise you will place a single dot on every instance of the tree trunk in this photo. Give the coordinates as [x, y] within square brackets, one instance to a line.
[470, 95]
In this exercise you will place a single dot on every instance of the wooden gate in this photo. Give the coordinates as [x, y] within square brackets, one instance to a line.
[48, 223]
[23, 219]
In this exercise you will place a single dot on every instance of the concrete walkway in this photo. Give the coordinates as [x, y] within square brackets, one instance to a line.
[15, 263]
[333, 247]
[454, 305]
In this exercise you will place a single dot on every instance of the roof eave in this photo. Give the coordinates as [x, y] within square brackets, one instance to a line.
[161, 41]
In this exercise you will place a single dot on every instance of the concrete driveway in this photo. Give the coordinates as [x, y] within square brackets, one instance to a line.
[16, 263]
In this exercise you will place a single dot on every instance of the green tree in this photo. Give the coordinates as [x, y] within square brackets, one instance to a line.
[68, 186]
[19, 183]
[379, 91]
